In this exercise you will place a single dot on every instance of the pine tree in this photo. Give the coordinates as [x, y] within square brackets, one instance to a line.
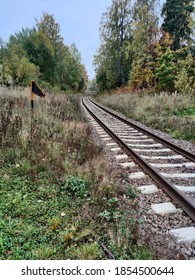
[177, 20]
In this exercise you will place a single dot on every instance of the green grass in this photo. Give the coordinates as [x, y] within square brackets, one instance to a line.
[57, 201]
[35, 218]
[189, 112]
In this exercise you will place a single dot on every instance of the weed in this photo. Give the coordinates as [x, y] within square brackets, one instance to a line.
[123, 243]
[43, 253]
[55, 222]
[88, 251]
[131, 191]
[76, 186]
[106, 215]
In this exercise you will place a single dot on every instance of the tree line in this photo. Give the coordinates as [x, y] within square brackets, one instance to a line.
[146, 46]
[39, 53]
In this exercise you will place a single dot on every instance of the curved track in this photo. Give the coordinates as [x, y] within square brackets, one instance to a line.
[171, 167]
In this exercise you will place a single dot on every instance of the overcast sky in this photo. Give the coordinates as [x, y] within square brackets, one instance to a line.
[79, 21]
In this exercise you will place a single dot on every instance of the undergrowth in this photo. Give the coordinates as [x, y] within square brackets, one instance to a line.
[57, 197]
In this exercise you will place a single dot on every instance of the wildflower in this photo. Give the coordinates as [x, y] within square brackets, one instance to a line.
[62, 214]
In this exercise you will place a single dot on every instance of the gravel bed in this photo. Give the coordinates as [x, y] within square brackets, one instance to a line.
[172, 170]
[182, 182]
[154, 229]
[191, 195]
[173, 161]
[155, 154]
[141, 182]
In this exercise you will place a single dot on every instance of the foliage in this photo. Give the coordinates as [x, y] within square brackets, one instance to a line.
[37, 43]
[144, 34]
[123, 238]
[185, 82]
[75, 186]
[16, 63]
[177, 16]
[40, 54]
[112, 61]
[165, 71]
[51, 30]
[142, 74]
[149, 56]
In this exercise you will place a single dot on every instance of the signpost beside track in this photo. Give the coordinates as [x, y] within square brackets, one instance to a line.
[35, 90]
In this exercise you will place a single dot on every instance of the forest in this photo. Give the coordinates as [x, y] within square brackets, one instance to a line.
[143, 44]
[40, 54]
[147, 45]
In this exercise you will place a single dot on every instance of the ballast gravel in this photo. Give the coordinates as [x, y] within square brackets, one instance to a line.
[154, 229]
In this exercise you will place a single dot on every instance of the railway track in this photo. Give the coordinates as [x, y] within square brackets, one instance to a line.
[170, 167]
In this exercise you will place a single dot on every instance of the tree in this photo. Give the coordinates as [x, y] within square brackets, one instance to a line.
[177, 21]
[66, 65]
[2, 49]
[165, 66]
[102, 69]
[3, 76]
[20, 69]
[144, 32]
[51, 29]
[40, 53]
[185, 82]
[115, 34]
[145, 26]
[16, 60]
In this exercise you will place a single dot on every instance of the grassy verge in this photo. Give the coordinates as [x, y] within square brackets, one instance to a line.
[57, 197]
[174, 114]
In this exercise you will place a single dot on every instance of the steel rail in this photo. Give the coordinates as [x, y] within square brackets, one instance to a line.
[157, 138]
[186, 203]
